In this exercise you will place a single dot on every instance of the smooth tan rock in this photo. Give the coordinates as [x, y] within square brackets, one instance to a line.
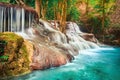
[46, 57]
[88, 37]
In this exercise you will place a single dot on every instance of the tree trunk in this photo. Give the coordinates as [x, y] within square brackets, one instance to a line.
[103, 13]
[103, 17]
[37, 7]
[61, 14]
[44, 9]
[20, 2]
[87, 7]
[64, 16]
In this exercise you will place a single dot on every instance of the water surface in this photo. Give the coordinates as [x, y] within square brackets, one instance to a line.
[93, 64]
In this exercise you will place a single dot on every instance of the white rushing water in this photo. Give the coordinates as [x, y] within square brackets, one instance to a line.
[91, 64]
[22, 22]
[15, 19]
[72, 41]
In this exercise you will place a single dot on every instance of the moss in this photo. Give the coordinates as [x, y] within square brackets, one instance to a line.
[24, 56]
[10, 36]
[18, 62]
[4, 58]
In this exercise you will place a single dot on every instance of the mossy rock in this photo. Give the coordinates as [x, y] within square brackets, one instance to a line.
[18, 62]
[14, 42]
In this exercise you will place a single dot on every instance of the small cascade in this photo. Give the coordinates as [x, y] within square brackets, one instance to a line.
[73, 28]
[51, 47]
[72, 42]
[54, 35]
[74, 35]
[19, 19]
[15, 18]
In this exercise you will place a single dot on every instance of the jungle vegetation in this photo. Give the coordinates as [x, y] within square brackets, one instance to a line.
[95, 16]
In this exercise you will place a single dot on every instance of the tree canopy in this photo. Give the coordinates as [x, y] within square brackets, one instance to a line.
[92, 14]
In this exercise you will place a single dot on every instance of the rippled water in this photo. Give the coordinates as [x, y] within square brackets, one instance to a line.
[94, 64]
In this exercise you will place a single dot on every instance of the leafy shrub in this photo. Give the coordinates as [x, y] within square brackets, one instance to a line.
[2, 46]
[95, 24]
[4, 58]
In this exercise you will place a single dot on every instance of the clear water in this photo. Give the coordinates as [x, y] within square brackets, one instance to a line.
[94, 64]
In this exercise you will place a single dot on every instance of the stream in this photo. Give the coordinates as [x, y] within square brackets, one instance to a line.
[92, 64]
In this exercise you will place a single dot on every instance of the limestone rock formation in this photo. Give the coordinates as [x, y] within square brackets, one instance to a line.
[45, 57]
[24, 56]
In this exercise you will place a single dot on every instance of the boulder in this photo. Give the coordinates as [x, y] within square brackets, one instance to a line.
[48, 56]
[24, 55]
[18, 55]
[89, 37]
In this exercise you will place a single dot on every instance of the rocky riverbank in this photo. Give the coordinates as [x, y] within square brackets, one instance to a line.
[24, 56]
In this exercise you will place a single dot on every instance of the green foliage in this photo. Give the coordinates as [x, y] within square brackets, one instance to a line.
[72, 11]
[95, 23]
[73, 14]
[108, 4]
[50, 14]
[27, 2]
[98, 14]
[12, 1]
[30, 3]
[4, 58]
[4, 1]
[52, 5]
[2, 46]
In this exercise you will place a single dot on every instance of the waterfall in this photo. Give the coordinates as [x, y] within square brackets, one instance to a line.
[1, 19]
[72, 41]
[18, 19]
[23, 18]
[51, 47]
[15, 18]
[74, 35]
[11, 16]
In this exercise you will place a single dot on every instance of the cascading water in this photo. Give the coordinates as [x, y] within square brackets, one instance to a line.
[14, 18]
[74, 35]
[92, 64]
[73, 42]
[51, 47]
[71, 45]
[19, 20]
